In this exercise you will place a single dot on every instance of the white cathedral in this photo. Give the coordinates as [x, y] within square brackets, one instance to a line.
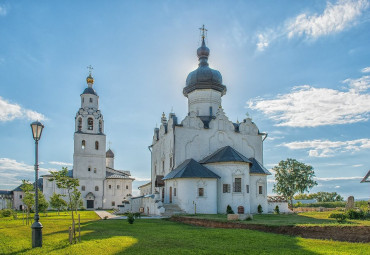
[205, 162]
[101, 186]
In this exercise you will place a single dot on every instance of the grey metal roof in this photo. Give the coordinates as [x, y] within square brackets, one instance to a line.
[39, 183]
[5, 192]
[190, 169]
[366, 178]
[90, 91]
[109, 154]
[258, 168]
[225, 154]
[118, 176]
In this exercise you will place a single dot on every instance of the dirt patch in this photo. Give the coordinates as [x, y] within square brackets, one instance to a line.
[338, 233]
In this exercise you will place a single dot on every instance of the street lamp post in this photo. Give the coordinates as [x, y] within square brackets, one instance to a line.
[36, 226]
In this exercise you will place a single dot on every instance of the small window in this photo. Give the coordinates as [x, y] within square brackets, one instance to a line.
[170, 162]
[118, 186]
[83, 100]
[100, 126]
[94, 170]
[110, 186]
[96, 188]
[79, 124]
[155, 168]
[126, 186]
[238, 185]
[96, 145]
[260, 190]
[83, 144]
[200, 192]
[226, 188]
[247, 188]
[163, 165]
[89, 169]
[113, 203]
[90, 123]
[174, 192]
[91, 100]
[210, 111]
[20, 196]
[83, 188]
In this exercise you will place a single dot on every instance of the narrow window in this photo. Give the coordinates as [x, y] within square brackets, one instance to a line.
[260, 190]
[89, 169]
[20, 196]
[83, 143]
[90, 123]
[174, 192]
[238, 185]
[200, 192]
[96, 188]
[100, 126]
[170, 162]
[94, 170]
[210, 111]
[226, 188]
[126, 186]
[96, 145]
[83, 100]
[79, 126]
[155, 168]
[110, 186]
[163, 165]
[83, 188]
[247, 188]
[118, 187]
[91, 100]
[113, 203]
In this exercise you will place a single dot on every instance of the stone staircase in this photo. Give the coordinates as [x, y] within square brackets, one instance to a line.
[171, 209]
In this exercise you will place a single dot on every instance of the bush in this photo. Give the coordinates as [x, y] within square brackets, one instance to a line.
[259, 209]
[322, 204]
[340, 217]
[6, 212]
[277, 210]
[355, 214]
[130, 218]
[229, 210]
[137, 215]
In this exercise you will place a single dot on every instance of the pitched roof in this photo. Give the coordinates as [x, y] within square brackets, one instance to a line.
[366, 178]
[225, 154]
[258, 168]
[190, 169]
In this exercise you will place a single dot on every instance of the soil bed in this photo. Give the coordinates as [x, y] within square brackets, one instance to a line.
[338, 233]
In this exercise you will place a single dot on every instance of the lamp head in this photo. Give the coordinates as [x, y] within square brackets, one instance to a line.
[37, 128]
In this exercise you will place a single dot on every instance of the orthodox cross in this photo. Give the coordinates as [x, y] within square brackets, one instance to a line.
[203, 32]
[109, 144]
[90, 69]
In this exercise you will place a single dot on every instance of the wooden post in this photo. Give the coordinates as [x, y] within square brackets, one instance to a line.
[23, 217]
[74, 231]
[79, 229]
[70, 235]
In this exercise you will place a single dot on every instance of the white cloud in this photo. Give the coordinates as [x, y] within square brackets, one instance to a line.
[358, 165]
[366, 70]
[7, 164]
[306, 106]
[10, 111]
[326, 148]
[338, 178]
[142, 179]
[58, 163]
[337, 187]
[335, 18]
[3, 10]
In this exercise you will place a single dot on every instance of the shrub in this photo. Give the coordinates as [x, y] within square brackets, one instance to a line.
[259, 209]
[105, 217]
[355, 214]
[340, 217]
[298, 204]
[322, 204]
[229, 210]
[6, 212]
[277, 210]
[137, 215]
[130, 218]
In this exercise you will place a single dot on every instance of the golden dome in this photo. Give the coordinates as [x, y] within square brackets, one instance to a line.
[90, 79]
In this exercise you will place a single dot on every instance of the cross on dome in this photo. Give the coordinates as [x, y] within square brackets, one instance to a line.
[203, 32]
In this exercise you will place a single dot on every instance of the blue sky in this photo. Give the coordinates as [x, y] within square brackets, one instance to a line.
[301, 69]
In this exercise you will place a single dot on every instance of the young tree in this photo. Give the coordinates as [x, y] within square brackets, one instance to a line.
[63, 181]
[76, 201]
[57, 202]
[327, 196]
[43, 203]
[28, 198]
[292, 177]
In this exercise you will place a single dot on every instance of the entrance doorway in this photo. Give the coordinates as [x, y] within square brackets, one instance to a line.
[90, 204]
[170, 195]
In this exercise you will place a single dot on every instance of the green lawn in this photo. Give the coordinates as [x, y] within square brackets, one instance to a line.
[308, 218]
[158, 237]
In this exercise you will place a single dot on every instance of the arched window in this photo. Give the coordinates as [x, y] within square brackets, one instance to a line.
[83, 188]
[96, 145]
[79, 126]
[96, 188]
[83, 144]
[90, 123]
[91, 100]
[100, 126]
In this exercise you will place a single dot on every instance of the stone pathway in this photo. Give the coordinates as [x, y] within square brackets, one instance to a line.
[110, 216]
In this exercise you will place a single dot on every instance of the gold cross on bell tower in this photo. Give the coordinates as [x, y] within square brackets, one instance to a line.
[90, 69]
[203, 32]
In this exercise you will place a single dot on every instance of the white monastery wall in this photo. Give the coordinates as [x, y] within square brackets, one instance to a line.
[257, 180]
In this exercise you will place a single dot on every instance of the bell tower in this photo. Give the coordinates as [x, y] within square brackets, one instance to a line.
[89, 159]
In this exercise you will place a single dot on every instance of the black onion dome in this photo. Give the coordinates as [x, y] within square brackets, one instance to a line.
[109, 154]
[204, 77]
[90, 91]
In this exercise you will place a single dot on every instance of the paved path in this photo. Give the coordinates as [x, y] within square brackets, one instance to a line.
[103, 214]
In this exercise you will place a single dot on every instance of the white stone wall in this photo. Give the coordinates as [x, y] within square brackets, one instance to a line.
[116, 194]
[17, 200]
[283, 207]
[187, 194]
[145, 189]
[200, 101]
[4, 203]
[257, 180]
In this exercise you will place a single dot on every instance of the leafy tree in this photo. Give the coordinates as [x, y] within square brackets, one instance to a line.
[76, 201]
[292, 177]
[28, 198]
[320, 196]
[57, 202]
[63, 181]
[43, 203]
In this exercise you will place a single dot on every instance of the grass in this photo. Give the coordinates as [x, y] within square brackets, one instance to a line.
[307, 218]
[155, 236]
